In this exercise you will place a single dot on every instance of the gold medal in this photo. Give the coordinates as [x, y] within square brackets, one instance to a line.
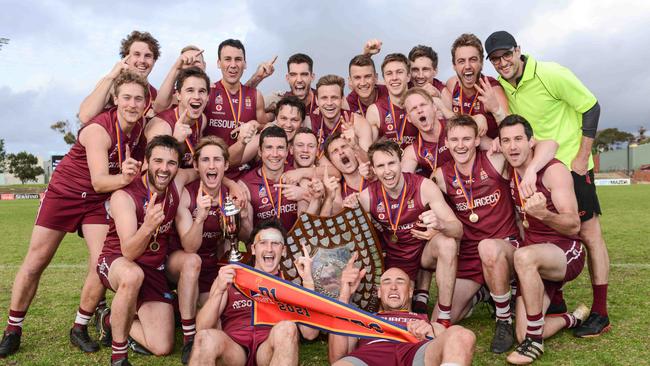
[154, 246]
[525, 224]
[473, 217]
[393, 238]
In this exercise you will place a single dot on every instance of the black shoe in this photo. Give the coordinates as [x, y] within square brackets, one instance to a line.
[80, 338]
[503, 337]
[419, 307]
[9, 344]
[594, 326]
[138, 348]
[122, 362]
[187, 351]
[105, 335]
[526, 352]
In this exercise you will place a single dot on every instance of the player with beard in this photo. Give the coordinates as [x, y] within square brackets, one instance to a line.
[472, 93]
[453, 346]
[387, 116]
[132, 261]
[560, 107]
[266, 196]
[332, 118]
[197, 251]
[397, 201]
[191, 56]
[363, 83]
[429, 151]
[476, 184]
[342, 154]
[186, 121]
[233, 108]
[224, 322]
[139, 52]
[424, 68]
[552, 253]
[300, 75]
[106, 156]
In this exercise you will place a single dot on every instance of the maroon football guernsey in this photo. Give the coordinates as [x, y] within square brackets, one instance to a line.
[473, 106]
[357, 106]
[153, 257]
[265, 198]
[430, 155]
[348, 189]
[537, 231]
[322, 131]
[393, 123]
[397, 317]
[491, 201]
[72, 173]
[405, 252]
[171, 116]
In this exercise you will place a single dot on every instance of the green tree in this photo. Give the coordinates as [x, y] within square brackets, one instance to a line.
[3, 156]
[606, 139]
[67, 130]
[24, 166]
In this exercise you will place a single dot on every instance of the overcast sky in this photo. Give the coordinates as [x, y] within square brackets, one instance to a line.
[58, 50]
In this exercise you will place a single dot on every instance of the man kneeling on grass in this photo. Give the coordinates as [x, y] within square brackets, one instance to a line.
[237, 342]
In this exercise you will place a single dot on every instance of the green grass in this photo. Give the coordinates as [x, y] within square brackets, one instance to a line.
[625, 225]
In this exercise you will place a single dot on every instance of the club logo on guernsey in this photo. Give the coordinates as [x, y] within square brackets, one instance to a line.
[380, 207]
[218, 101]
[248, 103]
[484, 175]
[261, 192]
[410, 204]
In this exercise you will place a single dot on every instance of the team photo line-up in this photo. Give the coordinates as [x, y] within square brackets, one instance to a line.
[484, 186]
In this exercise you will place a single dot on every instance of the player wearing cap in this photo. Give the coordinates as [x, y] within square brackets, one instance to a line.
[561, 108]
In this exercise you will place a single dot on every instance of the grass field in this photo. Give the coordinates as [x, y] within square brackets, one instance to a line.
[625, 224]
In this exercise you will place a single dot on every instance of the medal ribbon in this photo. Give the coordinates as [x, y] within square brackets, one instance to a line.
[360, 107]
[121, 151]
[470, 200]
[321, 140]
[188, 142]
[232, 108]
[521, 198]
[426, 153]
[399, 208]
[399, 130]
[345, 186]
[462, 102]
[145, 181]
[268, 191]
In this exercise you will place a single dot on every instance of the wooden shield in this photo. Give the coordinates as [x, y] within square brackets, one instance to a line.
[331, 241]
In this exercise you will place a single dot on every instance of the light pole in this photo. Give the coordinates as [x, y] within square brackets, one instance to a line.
[630, 146]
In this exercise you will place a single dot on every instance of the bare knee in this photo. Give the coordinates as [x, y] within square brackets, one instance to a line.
[209, 341]
[447, 248]
[131, 278]
[191, 264]
[286, 332]
[462, 336]
[525, 259]
[161, 348]
[489, 251]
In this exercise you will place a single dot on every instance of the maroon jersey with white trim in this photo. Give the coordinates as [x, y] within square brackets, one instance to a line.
[72, 173]
[347, 189]
[171, 116]
[492, 203]
[389, 124]
[140, 196]
[478, 108]
[398, 317]
[407, 246]
[539, 232]
[322, 131]
[263, 202]
[357, 106]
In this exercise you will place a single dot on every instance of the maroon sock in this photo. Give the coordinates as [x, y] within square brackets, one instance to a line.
[535, 327]
[107, 321]
[189, 329]
[82, 319]
[600, 299]
[119, 350]
[15, 321]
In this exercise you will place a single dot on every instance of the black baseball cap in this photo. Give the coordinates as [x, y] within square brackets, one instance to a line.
[500, 40]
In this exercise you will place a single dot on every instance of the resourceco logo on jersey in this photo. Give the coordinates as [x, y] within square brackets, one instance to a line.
[290, 207]
[221, 123]
[491, 200]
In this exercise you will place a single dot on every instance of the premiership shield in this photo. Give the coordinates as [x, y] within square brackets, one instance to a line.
[331, 241]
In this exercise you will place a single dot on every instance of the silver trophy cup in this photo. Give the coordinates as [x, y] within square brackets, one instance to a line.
[231, 224]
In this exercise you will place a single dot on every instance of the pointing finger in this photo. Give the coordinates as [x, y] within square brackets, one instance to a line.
[274, 58]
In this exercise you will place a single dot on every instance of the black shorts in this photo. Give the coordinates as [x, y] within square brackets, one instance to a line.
[585, 188]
